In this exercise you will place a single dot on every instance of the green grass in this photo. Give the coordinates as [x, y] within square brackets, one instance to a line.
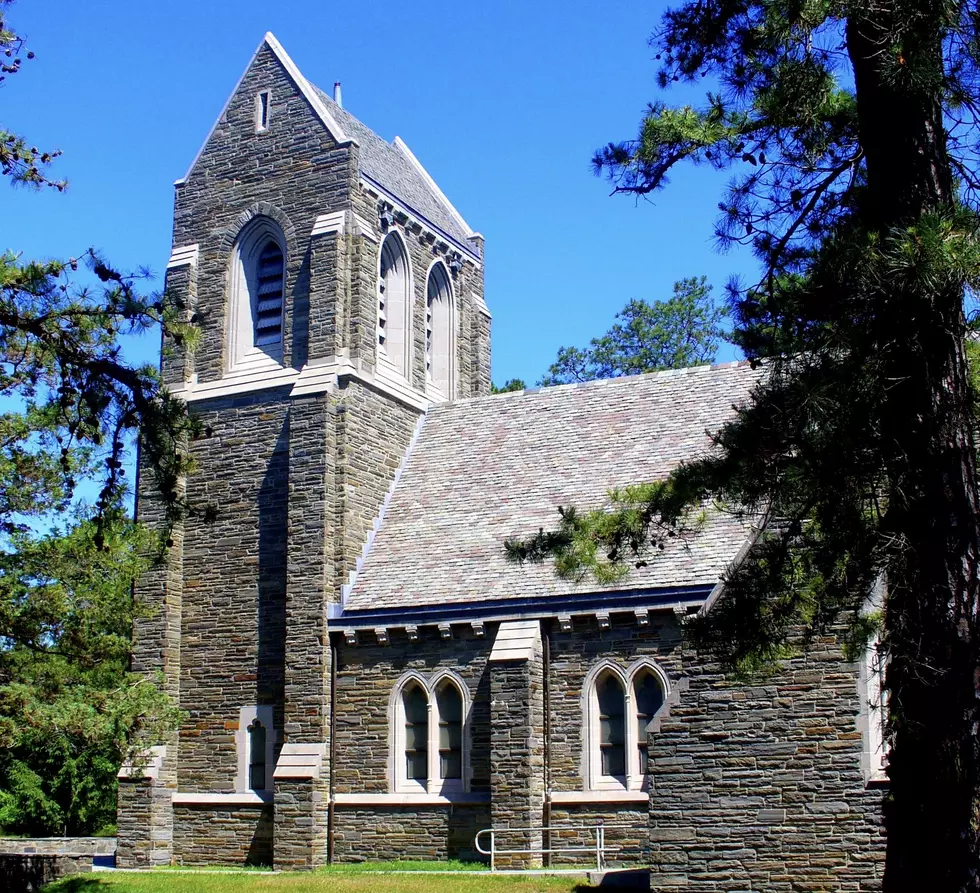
[328, 881]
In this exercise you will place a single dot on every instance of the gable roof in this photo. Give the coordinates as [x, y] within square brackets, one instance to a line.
[311, 95]
[490, 468]
[394, 168]
[390, 166]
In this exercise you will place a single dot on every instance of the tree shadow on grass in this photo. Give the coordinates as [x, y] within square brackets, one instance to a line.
[77, 884]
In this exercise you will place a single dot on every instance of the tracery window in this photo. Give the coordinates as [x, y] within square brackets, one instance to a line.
[430, 752]
[257, 280]
[439, 333]
[394, 304]
[619, 705]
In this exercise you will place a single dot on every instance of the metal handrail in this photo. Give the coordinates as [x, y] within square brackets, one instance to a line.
[599, 847]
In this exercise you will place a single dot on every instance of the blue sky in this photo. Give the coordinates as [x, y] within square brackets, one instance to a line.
[503, 102]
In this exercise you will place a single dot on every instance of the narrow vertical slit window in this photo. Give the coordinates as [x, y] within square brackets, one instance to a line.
[256, 756]
[262, 111]
[439, 324]
[648, 698]
[268, 306]
[394, 304]
[450, 705]
[416, 706]
[612, 726]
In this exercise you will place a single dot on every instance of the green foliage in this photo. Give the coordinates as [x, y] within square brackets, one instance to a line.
[682, 331]
[70, 409]
[850, 132]
[512, 384]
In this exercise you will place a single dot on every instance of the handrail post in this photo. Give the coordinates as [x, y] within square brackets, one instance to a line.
[492, 848]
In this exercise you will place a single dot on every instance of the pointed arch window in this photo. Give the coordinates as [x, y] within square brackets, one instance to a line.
[394, 305]
[439, 334]
[416, 734]
[257, 280]
[430, 733]
[619, 705]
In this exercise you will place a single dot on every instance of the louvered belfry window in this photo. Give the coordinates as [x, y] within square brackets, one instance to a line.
[268, 304]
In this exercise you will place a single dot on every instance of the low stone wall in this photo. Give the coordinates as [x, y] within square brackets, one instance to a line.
[383, 833]
[205, 835]
[27, 864]
[23, 873]
[58, 846]
[625, 826]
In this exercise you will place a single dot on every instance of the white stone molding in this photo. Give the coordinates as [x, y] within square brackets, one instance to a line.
[362, 228]
[481, 305]
[243, 355]
[478, 630]
[184, 255]
[873, 712]
[451, 798]
[302, 84]
[599, 797]
[245, 717]
[516, 640]
[144, 764]
[398, 781]
[445, 631]
[300, 761]
[238, 798]
[642, 617]
[412, 632]
[565, 623]
[591, 765]
[329, 223]
[378, 191]
[442, 319]
[381, 634]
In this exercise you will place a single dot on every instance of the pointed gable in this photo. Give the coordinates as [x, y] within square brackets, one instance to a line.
[270, 49]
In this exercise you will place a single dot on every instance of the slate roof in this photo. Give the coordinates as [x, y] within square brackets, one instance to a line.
[392, 169]
[489, 468]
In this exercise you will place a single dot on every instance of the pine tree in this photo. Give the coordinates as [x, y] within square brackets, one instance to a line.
[682, 331]
[71, 406]
[851, 132]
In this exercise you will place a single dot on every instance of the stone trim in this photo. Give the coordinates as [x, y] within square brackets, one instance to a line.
[451, 798]
[591, 770]
[516, 640]
[599, 797]
[300, 761]
[238, 798]
[145, 764]
[184, 255]
[303, 85]
[245, 717]
[329, 223]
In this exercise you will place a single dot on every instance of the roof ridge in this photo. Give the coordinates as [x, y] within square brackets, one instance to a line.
[618, 380]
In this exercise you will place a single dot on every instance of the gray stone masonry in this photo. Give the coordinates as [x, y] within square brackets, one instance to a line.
[144, 826]
[222, 836]
[382, 833]
[300, 824]
[759, 787]
[30, 873]
[517, 758]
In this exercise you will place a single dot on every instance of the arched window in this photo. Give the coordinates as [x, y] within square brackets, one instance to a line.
[450, 705]
[619, 705]
[394, 305]
[648, 698]
[256, 756]
[257, 281]
[439, 334]
[429, 734]
[611, 701]
[416, 734]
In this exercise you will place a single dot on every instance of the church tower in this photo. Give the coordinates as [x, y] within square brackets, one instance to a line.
[338, 294]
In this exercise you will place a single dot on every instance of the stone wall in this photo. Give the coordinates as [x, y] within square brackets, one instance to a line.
[103, 847]
[293, 172]
[759, 787]
[29, 873]
[369, 833]
[366, 677]
[209, 835]
[234, 610]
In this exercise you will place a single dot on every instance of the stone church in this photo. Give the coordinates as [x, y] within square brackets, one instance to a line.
[364, 675]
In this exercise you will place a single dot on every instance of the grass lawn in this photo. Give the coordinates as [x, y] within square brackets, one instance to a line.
[356, 880]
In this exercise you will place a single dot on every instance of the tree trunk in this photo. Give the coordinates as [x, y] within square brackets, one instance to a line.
[932, 809]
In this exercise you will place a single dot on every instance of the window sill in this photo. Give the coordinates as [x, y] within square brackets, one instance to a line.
[600, 796]
[454, 798]
[237, 798]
